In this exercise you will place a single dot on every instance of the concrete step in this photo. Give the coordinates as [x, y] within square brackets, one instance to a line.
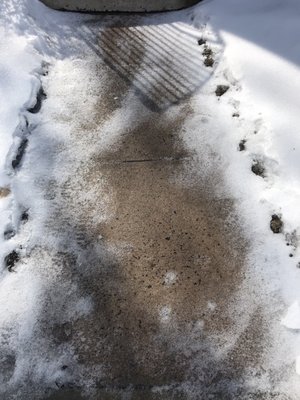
[119, 5]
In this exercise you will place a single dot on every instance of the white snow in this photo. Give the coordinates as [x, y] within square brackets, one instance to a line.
[17, 64]
[25, 51]
[19, 293]
[165, 314]
[170, 278]
[292, 318]
[211, 306]
[260, 62]
[298, 365]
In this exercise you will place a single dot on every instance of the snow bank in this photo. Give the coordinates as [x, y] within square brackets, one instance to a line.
[256, 123]
[17, 65]
[30, 274]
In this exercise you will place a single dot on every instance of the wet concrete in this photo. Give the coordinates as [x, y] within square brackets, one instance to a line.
[171, 260]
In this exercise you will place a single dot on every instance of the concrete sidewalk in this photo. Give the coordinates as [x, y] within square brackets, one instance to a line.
[169, 262]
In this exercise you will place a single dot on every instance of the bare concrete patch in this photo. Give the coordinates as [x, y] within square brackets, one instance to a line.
[4, 192]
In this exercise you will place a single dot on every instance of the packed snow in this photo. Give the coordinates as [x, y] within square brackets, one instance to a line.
[255, 46]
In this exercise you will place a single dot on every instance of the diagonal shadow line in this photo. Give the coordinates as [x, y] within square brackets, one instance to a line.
[110, 57]
[162, 72]
[182, 41]
[175, 37]
[178, 30]
[176, 79]
[181, 55]
[161, 94]
[156, 88]
[142, 59]
[112, 63]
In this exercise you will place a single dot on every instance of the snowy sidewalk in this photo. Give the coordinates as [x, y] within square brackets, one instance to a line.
[138, 226]
[162, 267]
[138, 259]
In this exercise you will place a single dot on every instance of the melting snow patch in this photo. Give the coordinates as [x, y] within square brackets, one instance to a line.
[170, 278]
[211, 306]
[165, 314]
[199, 325]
